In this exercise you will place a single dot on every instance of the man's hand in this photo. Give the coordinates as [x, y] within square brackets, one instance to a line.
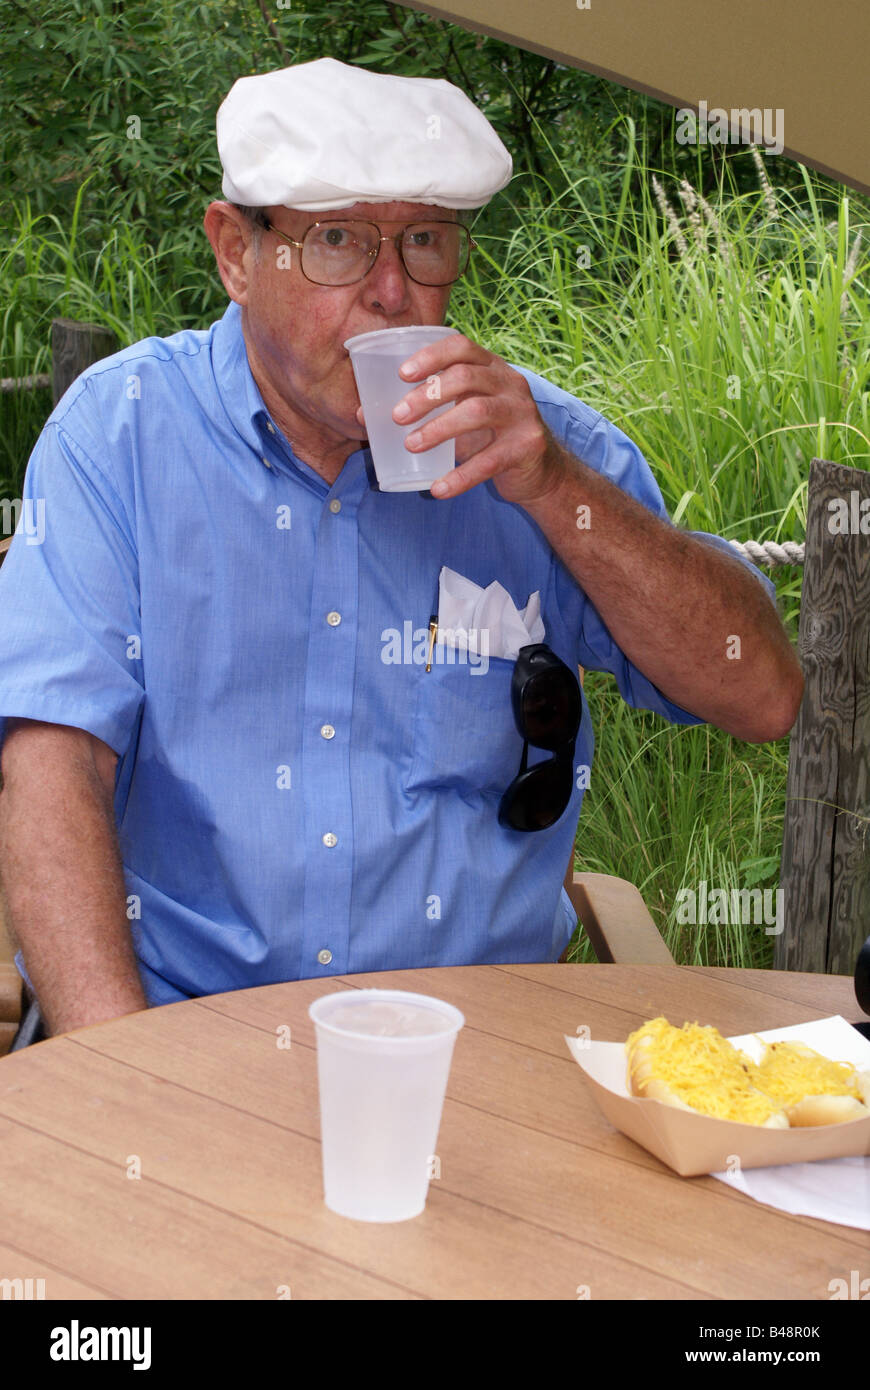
[498, 430]
[691, 618]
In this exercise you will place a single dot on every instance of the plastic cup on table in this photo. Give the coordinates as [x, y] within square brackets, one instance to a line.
[383, 1058]
[376, 359]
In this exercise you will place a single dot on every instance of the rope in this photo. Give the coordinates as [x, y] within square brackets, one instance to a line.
[769, 553]
[25, 383]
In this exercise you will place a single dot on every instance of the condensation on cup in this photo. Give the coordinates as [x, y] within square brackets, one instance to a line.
[376, 359]
[383, 1059]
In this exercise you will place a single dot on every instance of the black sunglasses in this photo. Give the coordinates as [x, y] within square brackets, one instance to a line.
[548, 707]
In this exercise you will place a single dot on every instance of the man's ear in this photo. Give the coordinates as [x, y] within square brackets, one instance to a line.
[232, 240]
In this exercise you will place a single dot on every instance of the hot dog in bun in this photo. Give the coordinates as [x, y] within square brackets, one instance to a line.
[695, 1068]
[813, 1089]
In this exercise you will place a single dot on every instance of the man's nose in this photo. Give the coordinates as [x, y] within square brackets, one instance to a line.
[388, 282]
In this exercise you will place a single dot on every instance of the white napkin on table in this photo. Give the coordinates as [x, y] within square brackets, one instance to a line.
[466, 612]
[830, 1189]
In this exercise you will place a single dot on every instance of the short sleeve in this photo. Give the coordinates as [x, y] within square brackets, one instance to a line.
[69, 605]
[610, 452]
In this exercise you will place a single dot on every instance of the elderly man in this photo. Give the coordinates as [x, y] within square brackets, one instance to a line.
[214, 776]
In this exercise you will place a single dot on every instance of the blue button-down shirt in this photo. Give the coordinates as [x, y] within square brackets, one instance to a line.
[295, 795]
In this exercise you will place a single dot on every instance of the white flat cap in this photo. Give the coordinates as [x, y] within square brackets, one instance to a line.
[327, 135]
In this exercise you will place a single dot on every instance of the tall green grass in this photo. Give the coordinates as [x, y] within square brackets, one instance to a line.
[669, 806]
[48, 269]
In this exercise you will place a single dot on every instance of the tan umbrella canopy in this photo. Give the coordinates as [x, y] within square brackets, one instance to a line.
[790, 67]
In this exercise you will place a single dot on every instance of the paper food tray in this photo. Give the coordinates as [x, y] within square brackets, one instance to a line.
[692, 1144]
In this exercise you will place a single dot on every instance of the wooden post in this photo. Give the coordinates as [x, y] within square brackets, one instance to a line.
[75, 346]
[825, 872]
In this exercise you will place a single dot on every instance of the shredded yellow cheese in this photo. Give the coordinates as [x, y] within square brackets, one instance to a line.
[791, 1071]
[705, 1071]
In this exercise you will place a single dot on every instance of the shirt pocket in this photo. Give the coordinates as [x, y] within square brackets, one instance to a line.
[465, 737]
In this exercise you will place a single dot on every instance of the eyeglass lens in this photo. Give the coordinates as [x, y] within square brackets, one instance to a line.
[537, 798]
[550, 709]
[338, 253]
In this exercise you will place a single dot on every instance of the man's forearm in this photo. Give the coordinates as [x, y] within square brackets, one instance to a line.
[64, 886]
[674, 605]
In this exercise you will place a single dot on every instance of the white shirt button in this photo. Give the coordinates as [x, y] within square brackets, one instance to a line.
[335, 505]
[333, 619]
[267, 463]
[324, 956]
[327, 731]
[270, 427]
[329, 839]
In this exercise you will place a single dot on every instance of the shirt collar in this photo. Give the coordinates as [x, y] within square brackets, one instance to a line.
[251, 420]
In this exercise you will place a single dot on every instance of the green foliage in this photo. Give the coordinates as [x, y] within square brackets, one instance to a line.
[130, 285]
[80, 78]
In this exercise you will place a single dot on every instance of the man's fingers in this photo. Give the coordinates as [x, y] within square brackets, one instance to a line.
[436, 357]
[455, 383]
[467, 445]
[471, 416]
[486, 465]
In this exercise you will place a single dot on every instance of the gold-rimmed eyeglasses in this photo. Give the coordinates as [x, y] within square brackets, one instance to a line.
[336, 252]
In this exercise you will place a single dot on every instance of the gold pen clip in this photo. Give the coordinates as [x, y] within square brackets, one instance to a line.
[433, 631]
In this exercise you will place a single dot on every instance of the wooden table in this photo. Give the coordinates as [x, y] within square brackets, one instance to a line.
[538, 1196]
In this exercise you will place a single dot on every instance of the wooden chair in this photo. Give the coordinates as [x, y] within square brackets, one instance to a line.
[10, 1004]
[615, 918]
[11, 989]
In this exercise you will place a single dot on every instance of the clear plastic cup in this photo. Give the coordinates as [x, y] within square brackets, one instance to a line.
[383, 1058]
[376, 359]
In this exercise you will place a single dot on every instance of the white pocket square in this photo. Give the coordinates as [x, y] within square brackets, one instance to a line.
[485, 621]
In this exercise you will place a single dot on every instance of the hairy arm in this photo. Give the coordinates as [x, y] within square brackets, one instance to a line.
[691, 618]
[62, 879]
